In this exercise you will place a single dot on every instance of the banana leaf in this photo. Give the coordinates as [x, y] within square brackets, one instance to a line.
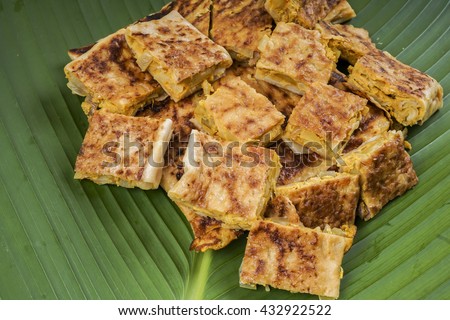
[66, 239]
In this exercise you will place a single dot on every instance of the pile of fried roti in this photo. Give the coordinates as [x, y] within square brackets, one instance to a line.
[270, 117]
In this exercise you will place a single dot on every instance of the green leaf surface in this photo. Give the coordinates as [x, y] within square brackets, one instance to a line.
[66, 239]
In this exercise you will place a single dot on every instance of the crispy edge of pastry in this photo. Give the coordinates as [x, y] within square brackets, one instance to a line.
[338, 80]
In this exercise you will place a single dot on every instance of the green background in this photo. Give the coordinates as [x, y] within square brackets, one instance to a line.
[66, 239]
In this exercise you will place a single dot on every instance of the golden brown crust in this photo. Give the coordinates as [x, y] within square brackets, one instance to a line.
[324, 119]
[293, 58]
[330, 200]
[239, 27]
[197, 12]
[231, 182]
[110, 77]
[408, 94]
[386, 171]
[293, 258]
[351, 42]
[304, 12]
[123, 150]
[236, 112]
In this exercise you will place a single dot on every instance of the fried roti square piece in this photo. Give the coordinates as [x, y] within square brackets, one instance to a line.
[239, 27]
[229, 181]
[351, 42]
[293, 58]
[123, 150]
[197, 12]
[409, 95]
[327, 200]
[176, 54]
[308, 12]
[385, 168]
[236, 112]
[324, 120]
[293, 258]
[109, 77]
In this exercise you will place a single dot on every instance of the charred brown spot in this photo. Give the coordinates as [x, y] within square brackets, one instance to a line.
[352, 144]
[115, 49]
[163, 29]
[139, 174]
[179, 174]
[81, 151]
[276, 59]
[300, 64]
[260, 268]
